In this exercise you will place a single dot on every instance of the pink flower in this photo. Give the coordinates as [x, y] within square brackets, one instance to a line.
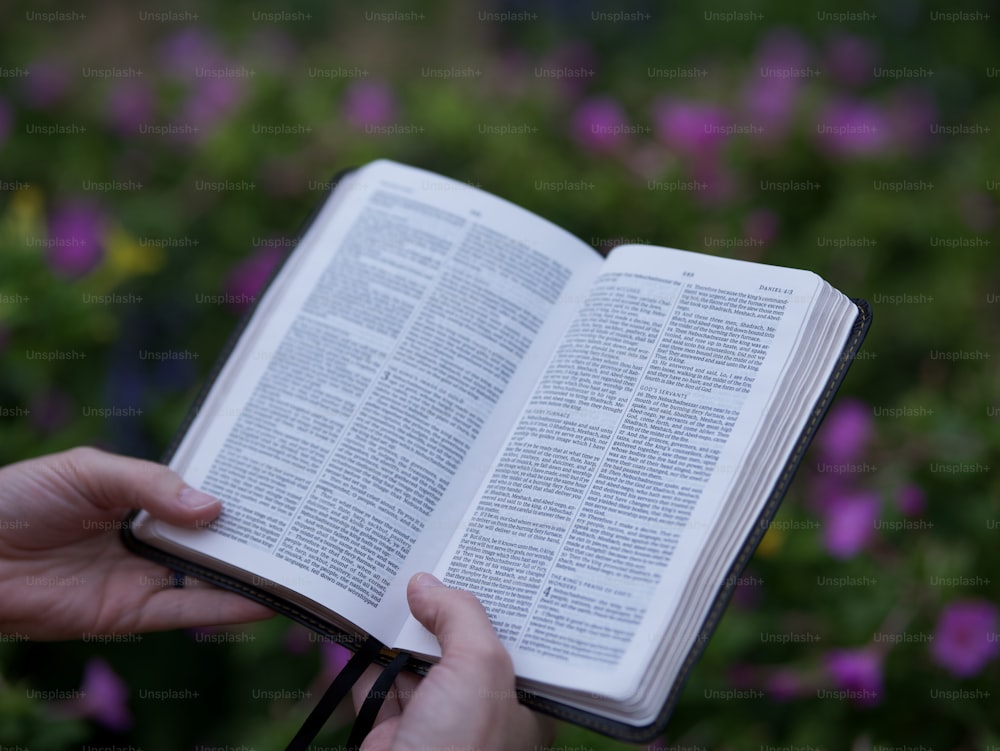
[211, 102]
[247, 279]
[598, 124]
[76, 238]
[369, 103]
[966, 637]
[772, 91]
[845, 432]
[103, 698]
[334, 656]
[858, 671]
[695, 130]
[853, 128]
[849, 523]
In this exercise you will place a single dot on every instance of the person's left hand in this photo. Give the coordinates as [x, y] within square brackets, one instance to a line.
[64, 573]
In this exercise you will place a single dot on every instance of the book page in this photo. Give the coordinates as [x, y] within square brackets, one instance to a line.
[358, 414]
[587, 528]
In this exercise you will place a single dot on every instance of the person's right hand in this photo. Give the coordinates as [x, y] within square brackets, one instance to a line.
[467, 700]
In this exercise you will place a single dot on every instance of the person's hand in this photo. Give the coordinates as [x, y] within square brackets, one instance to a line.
[467, 700]
[64, 573]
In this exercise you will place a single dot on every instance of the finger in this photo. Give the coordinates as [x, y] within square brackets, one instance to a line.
[191, 608]
[460, 624]
[111, 481]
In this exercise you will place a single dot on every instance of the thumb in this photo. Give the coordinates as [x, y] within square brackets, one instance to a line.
[458, 620]
[111, 481]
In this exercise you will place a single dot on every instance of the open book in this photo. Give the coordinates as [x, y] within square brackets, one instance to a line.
[439, 380]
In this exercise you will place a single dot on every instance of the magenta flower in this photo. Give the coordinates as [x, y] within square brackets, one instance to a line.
[76, 238]
[845, 432]
[103, 697]
[966, 637]
[369, 103]
[247, 279]
[695, 130]
[130, 105]
[853, 128]
[849, 523]
[335, 657]
[857, 671]
[599, 124]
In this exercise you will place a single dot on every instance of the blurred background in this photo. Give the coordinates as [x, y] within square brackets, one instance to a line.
[157, 161]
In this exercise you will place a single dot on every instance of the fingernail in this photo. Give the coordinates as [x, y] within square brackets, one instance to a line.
[424, 579]
[196, 500]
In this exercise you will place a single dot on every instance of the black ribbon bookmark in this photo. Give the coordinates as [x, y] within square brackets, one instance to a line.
[373, 702]
[338, 689]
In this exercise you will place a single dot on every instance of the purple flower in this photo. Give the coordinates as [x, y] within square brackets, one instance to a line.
[785, 684]
[773, 89]
[845, 432]
[849, 523]
[47, 84]
[911, 499]
[248, 278]
[853, 128]
[76, 238]
[211, 102]
[369, 103]
[966, 637]
[103, 697]
[598, 124]
[695, 130]
[335, 657]
[130, 104]
[858, 671]
[851, 59]
[184, 53]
